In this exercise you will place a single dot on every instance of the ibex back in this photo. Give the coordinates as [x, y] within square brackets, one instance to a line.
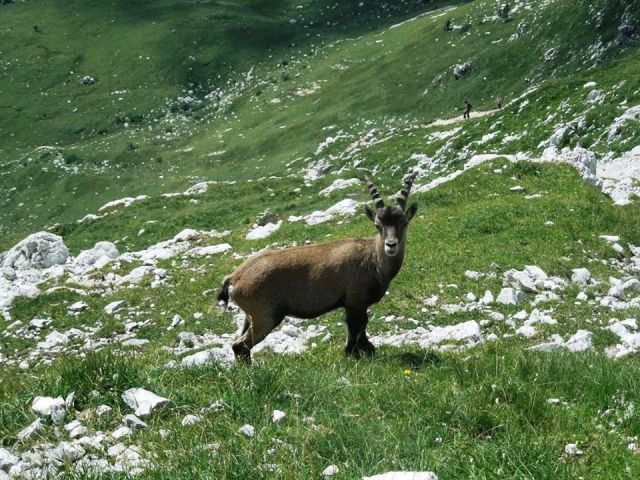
[308, 281]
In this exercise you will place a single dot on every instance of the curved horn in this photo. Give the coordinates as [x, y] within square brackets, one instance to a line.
[401, 197]
[377, 199]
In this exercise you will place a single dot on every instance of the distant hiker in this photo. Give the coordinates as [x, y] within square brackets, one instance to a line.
[467, 109]
[447, 26]
[36, 29]
[499, 102]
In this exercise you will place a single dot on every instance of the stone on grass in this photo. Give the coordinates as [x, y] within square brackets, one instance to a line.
[75, 429]
[206, 357]
[77, 307]
[133, 421]
[403, 476]
[103, 410]
[263, 231]
[581, 276]
[143, 401]
[113, 307]
[278, 416]
[38, 251]
[7, 459]
[39, 323]
[190, 420]
[121, 432]
[31, 430]
[579, 341]
[248, 430]
[330, 470]
[66, 452]
[572, 450]
[44, 406]
[176, 321]
[509, 296]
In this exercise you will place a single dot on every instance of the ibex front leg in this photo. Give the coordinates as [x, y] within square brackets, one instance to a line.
[357, 341]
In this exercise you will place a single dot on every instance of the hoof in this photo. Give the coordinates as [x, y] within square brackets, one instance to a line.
[242, 353]
[351, 350]
[367, 348]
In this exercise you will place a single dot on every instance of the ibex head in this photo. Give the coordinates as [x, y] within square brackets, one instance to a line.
[392, 222]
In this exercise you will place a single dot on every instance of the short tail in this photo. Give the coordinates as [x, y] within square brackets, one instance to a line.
[223, 295]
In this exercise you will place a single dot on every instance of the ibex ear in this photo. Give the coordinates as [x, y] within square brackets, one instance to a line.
[370, 214]
[411, 211]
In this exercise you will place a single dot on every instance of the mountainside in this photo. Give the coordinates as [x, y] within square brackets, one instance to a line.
[149, 147]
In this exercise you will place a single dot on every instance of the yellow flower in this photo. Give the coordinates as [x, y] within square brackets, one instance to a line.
[406, 371]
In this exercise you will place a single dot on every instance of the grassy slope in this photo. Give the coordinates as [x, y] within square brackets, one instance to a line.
[365, 71]
[489, 405]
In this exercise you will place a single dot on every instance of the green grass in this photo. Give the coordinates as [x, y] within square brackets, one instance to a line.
[487, 404]
[368, 75]
[469, 413]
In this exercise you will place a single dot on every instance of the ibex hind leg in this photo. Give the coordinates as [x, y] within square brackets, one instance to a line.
[255, 329]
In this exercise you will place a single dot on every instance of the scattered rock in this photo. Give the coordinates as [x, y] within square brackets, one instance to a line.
[580, 276]
[134, 422]
[509, 296]
[263, 231]
[190, 420]
[403, 476]
[330, 470]
[223, 356]
[44, 406]
[7, 459]
[103, 410]
[143, 401]
[572, 450]
[31, 430]
[121, 432]
[88, 80]
[278, 416]
[248, 430]
[113, 307]
[75, 429]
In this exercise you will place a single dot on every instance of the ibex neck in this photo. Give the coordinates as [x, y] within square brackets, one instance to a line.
[389, 266]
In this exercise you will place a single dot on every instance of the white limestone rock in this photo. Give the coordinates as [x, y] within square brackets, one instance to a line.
[224, 356]
[191, 420]
[29, 432]
[143, 401]
[115, 306]
[509, 296]
[330, 471]
[263, 231]
[121, 432]
[580, 276]
[103, 410]
[133, 422]
[44, 406]
[403, 476]
[7, 459]
[278, 416]
[97, 257]
[77, 307]
[208, 250]
[339, 184]
[247, 430]
[38, 251]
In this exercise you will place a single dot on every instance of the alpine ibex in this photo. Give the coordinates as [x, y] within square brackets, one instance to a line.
[308, 281]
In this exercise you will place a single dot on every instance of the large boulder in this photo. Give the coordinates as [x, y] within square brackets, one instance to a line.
[38, 251]
[101, 254]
